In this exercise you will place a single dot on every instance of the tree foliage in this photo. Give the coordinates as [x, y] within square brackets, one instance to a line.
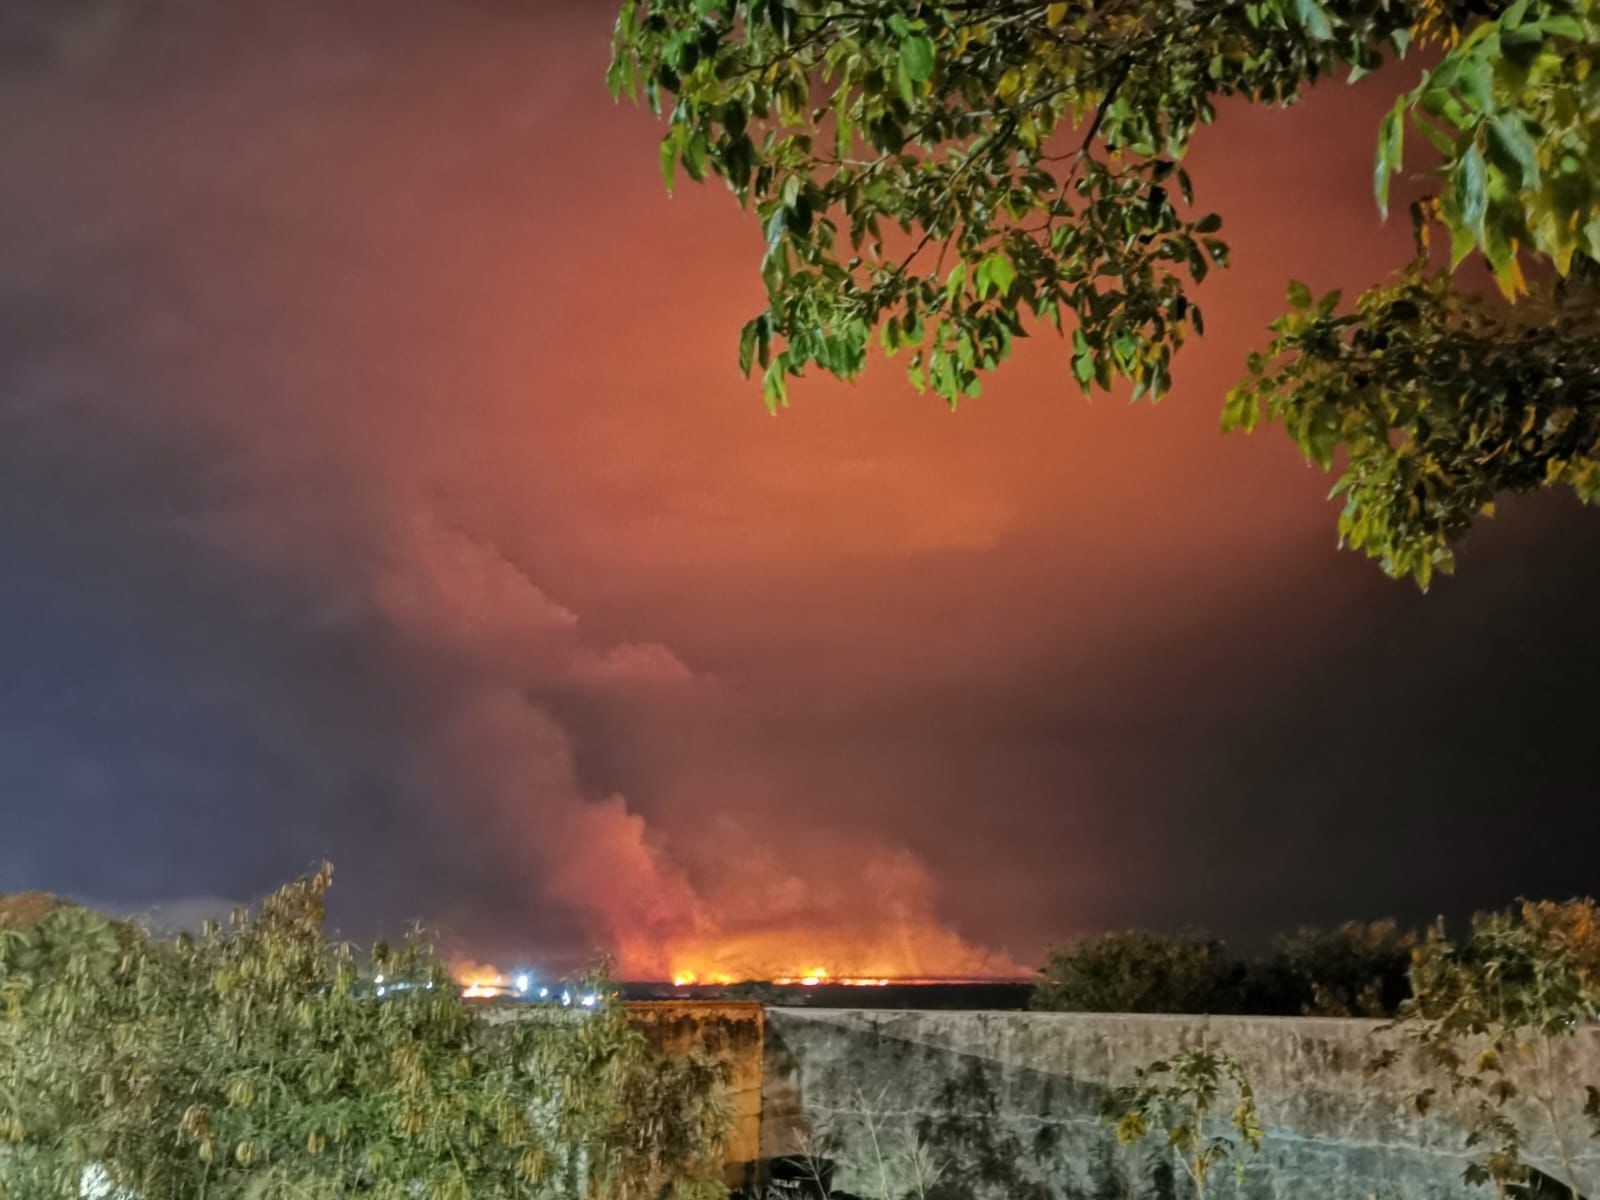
[1140, 972]
[944, 176]
[1489, 1014]
[1439, 400]
[260, 1061]
[1357, 969]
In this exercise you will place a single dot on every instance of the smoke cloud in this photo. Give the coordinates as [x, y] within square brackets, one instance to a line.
[375, 484]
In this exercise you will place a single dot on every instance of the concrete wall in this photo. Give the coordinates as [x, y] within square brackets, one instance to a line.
[731, 1034]
[1006, 1105]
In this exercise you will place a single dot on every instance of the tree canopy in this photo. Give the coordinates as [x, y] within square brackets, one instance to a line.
[262, 1061]
[942, 177]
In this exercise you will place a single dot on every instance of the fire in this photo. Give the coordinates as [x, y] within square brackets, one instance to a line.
[854, 971]
[808, 977]
[691, 978]
[873, 952]
[478, 981]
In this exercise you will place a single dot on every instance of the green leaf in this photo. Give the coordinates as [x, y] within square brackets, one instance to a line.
[916, 58]
[747, 347]
[1565, 26]
[996, 270]
[1509, 141]
[694, 156]
[774, 387]
[1391, 149]
[907, 86]
[669, 158]
[952, 285]
[1471, 190]
[1299, 295]
[1314, 19]
[1477, 83]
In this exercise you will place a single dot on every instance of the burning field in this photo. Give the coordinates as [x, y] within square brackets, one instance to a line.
[800, 934]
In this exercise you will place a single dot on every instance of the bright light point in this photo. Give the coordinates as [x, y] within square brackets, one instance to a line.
[589, 1000]
[566, 997]
[382, 989]
[378, 979]
[543, 992]
[522, 983]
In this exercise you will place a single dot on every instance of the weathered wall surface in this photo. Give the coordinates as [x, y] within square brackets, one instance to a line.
[1007, 1105]
[730, 1033]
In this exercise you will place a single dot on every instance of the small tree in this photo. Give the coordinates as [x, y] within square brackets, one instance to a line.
[1506, 998]
[1354, 970]
[260, 1061]
[1177, 1099]
[1140, 972]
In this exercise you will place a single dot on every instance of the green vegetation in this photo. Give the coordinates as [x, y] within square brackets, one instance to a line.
[1488, 1014]
[260, 1061]
[945, 176]
[1484, 1017]
[1176, 1099]
[1353, 970]
[1140, 972]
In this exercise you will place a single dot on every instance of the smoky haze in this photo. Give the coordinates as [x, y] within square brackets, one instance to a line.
[376, 484]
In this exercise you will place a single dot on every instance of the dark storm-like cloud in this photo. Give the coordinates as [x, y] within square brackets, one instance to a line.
[375, 485]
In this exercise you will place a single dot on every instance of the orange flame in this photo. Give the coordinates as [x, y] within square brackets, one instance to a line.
[768, 959]
[478, 981]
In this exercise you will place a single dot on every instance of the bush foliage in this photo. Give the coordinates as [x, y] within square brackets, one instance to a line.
[261, 1060]
[1353, 970]
[1141, 972]
[1488, 1015]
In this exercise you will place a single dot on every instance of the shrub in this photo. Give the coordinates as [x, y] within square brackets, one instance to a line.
[261, 1061]
[24, 910]
[1355, 970]
[1140, 972]
[1488, 1014]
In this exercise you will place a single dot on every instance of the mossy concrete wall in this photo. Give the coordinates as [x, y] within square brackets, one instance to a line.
[730, 1033]
[1006, 1105]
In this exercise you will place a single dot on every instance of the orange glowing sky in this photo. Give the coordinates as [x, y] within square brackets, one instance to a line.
[379, 484]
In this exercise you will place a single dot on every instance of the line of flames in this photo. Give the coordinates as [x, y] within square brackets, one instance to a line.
[481, 984]
[813, 977]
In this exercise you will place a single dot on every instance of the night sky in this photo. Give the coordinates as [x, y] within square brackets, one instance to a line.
[376, 483]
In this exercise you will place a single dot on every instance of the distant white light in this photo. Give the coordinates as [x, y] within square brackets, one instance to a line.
[382, 989]
[543, 993]
[379, 979]
[588, 1001]
[523, 983]
[566, 997]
